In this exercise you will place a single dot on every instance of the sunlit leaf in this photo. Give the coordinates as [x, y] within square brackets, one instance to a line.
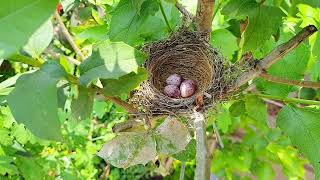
[111, 61]
[40, 40]
[19, 19]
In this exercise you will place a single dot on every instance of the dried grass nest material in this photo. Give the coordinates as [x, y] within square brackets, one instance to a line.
[185, 53]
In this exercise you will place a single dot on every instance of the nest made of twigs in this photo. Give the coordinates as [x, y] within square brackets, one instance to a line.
[188, 54]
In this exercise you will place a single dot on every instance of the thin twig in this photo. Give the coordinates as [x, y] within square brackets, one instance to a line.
[184, 11]
[204, 16]
[164, 15]
[273, 102]
[129, 107]
[275, 55]
[183, 171]
[216, 131]
[290, 100]
[201, 156]
[275, 79]
[69, 37]
[58, 55]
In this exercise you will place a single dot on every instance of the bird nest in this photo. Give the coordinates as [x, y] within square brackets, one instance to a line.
[188, 54]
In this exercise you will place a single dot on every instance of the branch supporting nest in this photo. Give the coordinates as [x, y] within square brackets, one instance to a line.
[201, 139]
[275, 79]
[275, 55]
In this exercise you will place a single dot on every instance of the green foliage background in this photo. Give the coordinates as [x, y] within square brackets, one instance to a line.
[52, 128]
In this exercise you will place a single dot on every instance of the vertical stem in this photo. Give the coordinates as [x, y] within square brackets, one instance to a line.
[164, 15]
[69, 37]
[183, 170]
[201, 156]
[216, 130]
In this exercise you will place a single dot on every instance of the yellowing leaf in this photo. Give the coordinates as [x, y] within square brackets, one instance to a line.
[171, 136]
[128, 149]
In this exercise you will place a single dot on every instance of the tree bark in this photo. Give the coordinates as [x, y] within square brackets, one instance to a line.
[204, 17]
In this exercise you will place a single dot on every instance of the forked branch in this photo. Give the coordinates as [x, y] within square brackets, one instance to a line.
[276, 55]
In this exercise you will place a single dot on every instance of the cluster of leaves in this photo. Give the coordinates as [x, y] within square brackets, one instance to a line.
[47, 97]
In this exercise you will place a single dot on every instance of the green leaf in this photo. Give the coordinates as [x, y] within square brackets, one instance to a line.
[236, 8]
[5, 139]
[62, 97]
[265, 171]
[316, 71]
[81, 107]
[302, 126]
[111, 61]
[313, 3]
[307, 93]
[237, 108]
[128, 149]
[225, 41]
[261, 26]
[29, 168]
[19, 20]
[40, 40]
[34, 101]
[6, 166]
[223, 118]
[20, 133]
[256, 108]
[171, 136]
[128, 18]
[126, 83]
[94, 33]
[189, 153]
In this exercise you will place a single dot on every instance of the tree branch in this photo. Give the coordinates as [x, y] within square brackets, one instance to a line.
[307, 84]
[184, 11]
[276, 55]
[204, 16]
[201, 139]
[125, 105]
[69, 37]
[289, 100]
[57, 56]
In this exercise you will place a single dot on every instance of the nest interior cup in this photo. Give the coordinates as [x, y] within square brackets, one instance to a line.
[184, 60]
